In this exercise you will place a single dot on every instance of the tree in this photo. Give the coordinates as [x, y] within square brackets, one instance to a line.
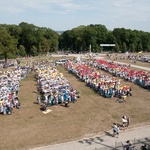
[78, 40]
[124, 47]
[52, 37]
[45, 45]
[81, 37]
[22, 51]
[101, 35]
[34, 51]
[28, 36]
[89, 36]
[111, 38]
[148, 48]
[34, 40]
[145, 40]
[14, 31]
[8, 44]
[117, 34]
[117, 48]
[140, 48]
[132, 48]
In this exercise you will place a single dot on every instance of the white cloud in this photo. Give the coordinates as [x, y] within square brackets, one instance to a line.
[15, 6]
[116, 4]
[129, 10]
[107, 12]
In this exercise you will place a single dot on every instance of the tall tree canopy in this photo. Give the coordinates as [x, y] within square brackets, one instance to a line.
[8, 44]
[94, 35]
[28, 39]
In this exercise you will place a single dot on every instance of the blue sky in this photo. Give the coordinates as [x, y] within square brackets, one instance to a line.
[68, 14]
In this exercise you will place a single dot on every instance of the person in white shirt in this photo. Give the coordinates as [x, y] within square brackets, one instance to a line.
[116, 131]
[125, 121]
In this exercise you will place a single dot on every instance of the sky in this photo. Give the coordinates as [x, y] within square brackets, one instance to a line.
[62, 15]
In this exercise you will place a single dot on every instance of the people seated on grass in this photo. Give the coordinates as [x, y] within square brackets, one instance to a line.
[140, 77]
[53, 87]
[10, 82]
[105, 85]
[7, 105]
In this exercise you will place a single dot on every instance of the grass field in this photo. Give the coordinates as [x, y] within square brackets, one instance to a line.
[91, 114]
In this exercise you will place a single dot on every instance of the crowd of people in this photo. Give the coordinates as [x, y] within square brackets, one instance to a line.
[141, 77]
[10, 82]
[139, 57]
[103, 84]
[53, 87]
[144, 58]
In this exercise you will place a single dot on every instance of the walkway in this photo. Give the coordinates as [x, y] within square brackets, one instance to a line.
[135, 66]
[101, 56]
[103, 142]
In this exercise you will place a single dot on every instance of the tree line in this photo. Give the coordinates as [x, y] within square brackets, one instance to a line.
[28, 39]
[80, 38]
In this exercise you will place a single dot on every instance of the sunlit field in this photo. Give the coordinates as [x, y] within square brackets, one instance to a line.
[92, 114]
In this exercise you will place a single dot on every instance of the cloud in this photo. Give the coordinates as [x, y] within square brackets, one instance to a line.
[116, 4]
[129, 10]
[17, 6]
[83, 11]
[20, 6]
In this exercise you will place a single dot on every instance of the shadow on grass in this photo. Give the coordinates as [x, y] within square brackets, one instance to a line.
[35, 103]
[118, 124]
[42, 108]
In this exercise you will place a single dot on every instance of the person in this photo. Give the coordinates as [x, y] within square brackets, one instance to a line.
[44, 107]
[115, 130]
[128, 121]
[38, 99]
[144, 147]
[66, 104]
[127, 145]
[124, 120]
[18, 105]
[9, 110]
